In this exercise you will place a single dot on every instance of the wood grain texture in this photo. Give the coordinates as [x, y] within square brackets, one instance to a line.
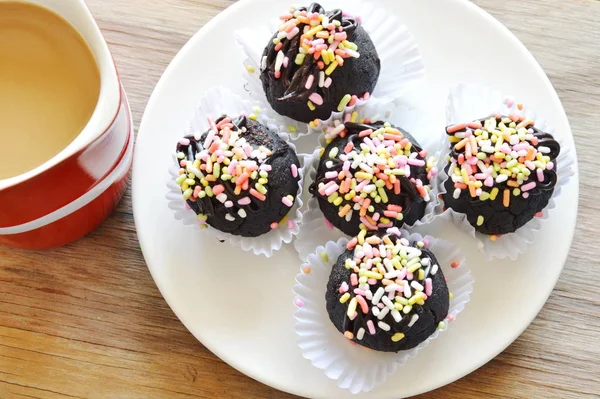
[87, 321]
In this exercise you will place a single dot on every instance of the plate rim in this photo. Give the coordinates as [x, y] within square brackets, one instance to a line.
[532, 314]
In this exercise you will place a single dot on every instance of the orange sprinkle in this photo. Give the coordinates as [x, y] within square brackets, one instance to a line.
[462, 186]
[349, 147]
[460, 145]
[348, 335]
[181, 171]
[493, 238]
[530, 154]
[344, 211]
[454, 264]
[321, 65]
[258, 195]
[512, 183]
[472, 190]
[366, 203]
[386, 281]
[520, 107]
[506, 198]
[307, 270]
[475, 125]
[397, 187]
[211, 178]
[455, 128]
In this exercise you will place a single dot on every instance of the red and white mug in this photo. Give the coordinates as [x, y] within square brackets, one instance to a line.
[99, 149]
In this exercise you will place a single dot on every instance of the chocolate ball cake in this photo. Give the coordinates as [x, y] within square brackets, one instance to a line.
[371, 177]
[387, 294]
[502, 172]
[317, 63]
[239, 177]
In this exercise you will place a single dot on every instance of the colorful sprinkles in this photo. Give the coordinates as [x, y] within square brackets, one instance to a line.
[362, 179]
[389, 277]
[311, 38]
[499, 158]
[225, 167]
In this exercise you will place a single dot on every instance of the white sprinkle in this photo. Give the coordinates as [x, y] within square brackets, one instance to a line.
[393, 275]
[242, 213]
[360, 334]
[222, 198]
[501, 178]
[456, 193]
[543, 149]
[396, 315]
[368, 294]
[375, 311]
[387, 263]
[279, 60]
[383, 313]
[391, 287]
[413, 320]
[321, 78]
[434, 270]
[329, 164]
[209, 138]
[384, 326]
[417, 286]
[228, 204]
[349, 216]
[378, 294]
[387, 302]
[425, 261]
[229, 217]
[263, 63]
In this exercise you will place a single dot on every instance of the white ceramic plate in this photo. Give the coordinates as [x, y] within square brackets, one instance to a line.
[254, 331]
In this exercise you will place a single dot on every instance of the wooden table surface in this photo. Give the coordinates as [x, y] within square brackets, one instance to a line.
[87, 321]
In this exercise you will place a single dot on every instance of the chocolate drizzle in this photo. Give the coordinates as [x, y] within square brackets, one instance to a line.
[412, 203]
[294, 77]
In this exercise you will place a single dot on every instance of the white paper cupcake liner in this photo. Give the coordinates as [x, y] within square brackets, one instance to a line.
[467, 103]
[401, 60]
[354, 367]
[214, 103]
[316, 230]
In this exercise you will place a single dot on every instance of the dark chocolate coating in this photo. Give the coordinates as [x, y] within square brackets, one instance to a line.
[413, 205]
[260, 214]
[498, 219]
[430, 314]
[288, 95]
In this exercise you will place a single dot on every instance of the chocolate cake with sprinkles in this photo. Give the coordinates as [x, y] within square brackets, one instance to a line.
[372, 176]
[386, 293]
[238, 177]
[317, 63]
[502, 172]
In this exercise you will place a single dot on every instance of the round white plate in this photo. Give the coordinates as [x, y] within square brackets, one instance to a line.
[253, 330]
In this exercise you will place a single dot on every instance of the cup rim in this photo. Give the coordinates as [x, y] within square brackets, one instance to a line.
[80, 202]
[110, 87]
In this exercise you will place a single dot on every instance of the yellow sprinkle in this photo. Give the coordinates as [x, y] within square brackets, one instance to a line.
[324, 257]
[260, 188]
[187, 193]
[414, 267]
[370, 274]
[184, 186]
[441, 326]
[421, 274]
[292, 129]
[180, 179]
[330, 70]
[209, 191]
[383, 195]
[352, 307]
[407, 308]
[203, 226]
[484, 196]
[250, 68]
[516, 192]
[299, 59]
[253, 117]
[480, 220]
[354, 117]
[338, 201]
[311, 106]
[313, 31]
[451, 296]
[363, 175]
[361, 236]
[202, 217]
[397, 337]
[494, 193]
[401, 301]
[345, 298]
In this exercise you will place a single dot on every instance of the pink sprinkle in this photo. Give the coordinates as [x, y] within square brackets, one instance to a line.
[489, 181]
[293, 33]
[525, 195]
[409, 276]
[328, 224]
[353, 279]
[286, 61]
[371, 327]
[197, 191]
[428, 287]
[316, 98]
[265, 167]
[328, 82]
[367, 224]
[187, 206]
[309, 83]
[550, 165]
[331, 189]
[380, 305]
[352, 243]
[529, 165]
[218, 189]
[528, 186]
[425, 242]
[291, 224]
[358, 291]
[184, 142]
[416, 162]
[372, 281]
[363, 304]
[540, 175]
[299, 302]
[331, 175]
[244, 201]
[287, 202]
[294, 170]
[343, 288]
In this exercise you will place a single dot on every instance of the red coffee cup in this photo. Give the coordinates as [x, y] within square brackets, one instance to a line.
[98, 150]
